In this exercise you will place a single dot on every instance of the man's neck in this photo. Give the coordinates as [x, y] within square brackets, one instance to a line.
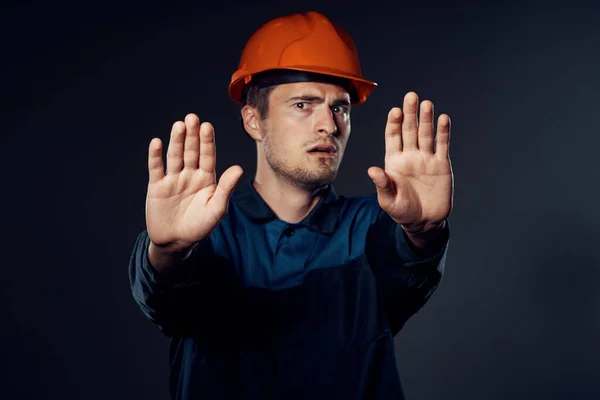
[289, 202]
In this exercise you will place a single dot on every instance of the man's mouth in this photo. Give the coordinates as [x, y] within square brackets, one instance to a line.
[323, 149]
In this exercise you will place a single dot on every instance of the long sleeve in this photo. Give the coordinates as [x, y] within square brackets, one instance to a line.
[151, 291]
[189, 295]
[405, 279]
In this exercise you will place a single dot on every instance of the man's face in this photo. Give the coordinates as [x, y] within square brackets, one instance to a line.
[306, 132]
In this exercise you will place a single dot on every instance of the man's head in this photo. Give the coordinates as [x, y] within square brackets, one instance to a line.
[297, 77]
[301, 126]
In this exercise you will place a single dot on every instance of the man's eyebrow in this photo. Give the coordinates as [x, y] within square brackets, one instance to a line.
[317, 99]
[341, 102]
[306, 97]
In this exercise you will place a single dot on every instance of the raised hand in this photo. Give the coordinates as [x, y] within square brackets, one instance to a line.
[416, 187]
[185, 204]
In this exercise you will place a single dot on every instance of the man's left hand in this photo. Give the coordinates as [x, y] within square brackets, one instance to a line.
[416, 186]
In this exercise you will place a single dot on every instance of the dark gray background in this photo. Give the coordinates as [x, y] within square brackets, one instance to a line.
[86, 86]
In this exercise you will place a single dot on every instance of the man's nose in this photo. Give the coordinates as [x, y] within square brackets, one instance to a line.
[326, 122]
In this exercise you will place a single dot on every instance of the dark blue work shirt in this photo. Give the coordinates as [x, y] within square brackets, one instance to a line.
[264, 309]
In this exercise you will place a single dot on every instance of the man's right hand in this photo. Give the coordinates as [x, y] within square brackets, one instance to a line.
[184, 205]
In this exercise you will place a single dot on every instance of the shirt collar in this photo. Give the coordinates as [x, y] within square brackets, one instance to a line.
[323, 217]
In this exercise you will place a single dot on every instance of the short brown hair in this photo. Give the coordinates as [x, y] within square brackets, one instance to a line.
[258, 97]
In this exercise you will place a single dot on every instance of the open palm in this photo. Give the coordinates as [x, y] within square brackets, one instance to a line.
[184, 205]
[416, 186]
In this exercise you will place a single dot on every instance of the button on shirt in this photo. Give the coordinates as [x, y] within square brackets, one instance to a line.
[265, 309]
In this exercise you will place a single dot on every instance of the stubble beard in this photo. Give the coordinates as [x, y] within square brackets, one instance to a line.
[307, 178]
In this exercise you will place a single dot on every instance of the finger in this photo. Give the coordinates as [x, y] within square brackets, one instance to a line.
[175, 150]
[442, 141]
[156, 169]
[410, 124]
[207, 148]
[191, 151]
[425, 142]
[225, 188]
[393, 131]
[383, 183]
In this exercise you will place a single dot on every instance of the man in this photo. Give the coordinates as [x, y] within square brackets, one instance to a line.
[283, 289]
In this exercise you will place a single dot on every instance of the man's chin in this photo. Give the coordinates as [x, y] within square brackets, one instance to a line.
[309, 179]
[316, 181]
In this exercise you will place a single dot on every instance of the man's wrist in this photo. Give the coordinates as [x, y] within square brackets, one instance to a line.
[427, 240]
[161, 258]
[430, 229]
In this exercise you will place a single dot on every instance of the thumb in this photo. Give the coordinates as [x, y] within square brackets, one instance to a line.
[383, 183]
[226, 185]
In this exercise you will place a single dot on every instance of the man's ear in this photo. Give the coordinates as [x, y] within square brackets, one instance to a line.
[251, 120]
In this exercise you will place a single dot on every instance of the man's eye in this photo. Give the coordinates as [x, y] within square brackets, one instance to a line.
[339, 109]
[303, 105]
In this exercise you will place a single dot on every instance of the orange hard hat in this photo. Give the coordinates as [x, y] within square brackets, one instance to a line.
[307, 42]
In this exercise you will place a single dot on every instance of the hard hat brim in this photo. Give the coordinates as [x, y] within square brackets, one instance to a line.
[363, 87]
